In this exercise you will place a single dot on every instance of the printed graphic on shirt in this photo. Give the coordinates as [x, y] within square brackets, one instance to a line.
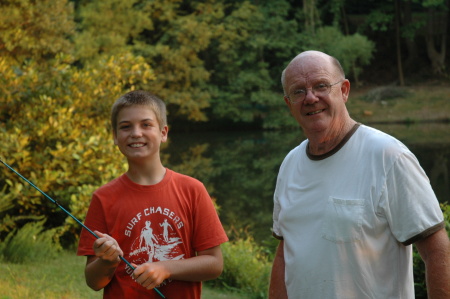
[155, 234]
[156, 238]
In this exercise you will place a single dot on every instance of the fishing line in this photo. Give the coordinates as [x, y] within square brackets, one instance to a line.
[73, 217]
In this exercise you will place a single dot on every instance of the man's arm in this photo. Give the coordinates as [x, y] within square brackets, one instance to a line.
[208, 264]
[277, 288]
[435, 252]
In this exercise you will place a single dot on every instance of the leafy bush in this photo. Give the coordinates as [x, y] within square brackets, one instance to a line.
[56, 134]
[353, 51]
[246, 268]
[30, 243]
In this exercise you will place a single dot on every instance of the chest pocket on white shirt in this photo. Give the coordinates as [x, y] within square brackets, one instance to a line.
[343, 220]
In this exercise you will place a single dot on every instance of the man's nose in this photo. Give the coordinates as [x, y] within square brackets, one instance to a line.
[310, 97]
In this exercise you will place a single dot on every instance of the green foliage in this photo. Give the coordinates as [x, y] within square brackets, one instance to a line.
[353, 51]
[213, 60]
[30, 243]
[336, 8]
[107, 26]
[446, 210]
[239, 172]
[379, 20]
[420, 288]
[35, 30]
[248, 87]
[433, 3]
[195, 49]
[56, 133]
[246, 268]
[383, 16]
[241, 75]
[209, 60]
[180, 34]
[169, 36]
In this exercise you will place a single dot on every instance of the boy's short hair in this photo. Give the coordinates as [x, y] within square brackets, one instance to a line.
[142, 98]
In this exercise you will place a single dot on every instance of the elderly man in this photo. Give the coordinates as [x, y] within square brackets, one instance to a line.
[350, 200]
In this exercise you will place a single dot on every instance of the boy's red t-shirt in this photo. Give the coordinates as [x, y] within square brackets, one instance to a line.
[171, 220]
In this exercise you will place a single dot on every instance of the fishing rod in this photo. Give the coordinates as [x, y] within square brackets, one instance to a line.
[73, 217]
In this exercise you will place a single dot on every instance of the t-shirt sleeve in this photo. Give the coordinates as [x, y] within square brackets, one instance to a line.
[95, 220]
[208, 230]
[409, 202]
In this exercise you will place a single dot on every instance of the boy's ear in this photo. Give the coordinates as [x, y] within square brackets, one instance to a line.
[164, 133]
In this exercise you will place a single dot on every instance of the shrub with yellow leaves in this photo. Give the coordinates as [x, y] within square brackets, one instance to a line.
[55, 131]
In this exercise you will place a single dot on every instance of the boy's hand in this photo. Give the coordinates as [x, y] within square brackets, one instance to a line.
[106, 248]
[150, 275]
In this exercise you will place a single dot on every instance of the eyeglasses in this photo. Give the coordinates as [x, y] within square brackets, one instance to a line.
[319, 90]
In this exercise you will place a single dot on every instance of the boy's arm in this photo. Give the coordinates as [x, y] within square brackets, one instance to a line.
[208, 264]
[101, 267]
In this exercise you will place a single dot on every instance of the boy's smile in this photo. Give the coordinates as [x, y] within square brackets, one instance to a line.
[137, 144]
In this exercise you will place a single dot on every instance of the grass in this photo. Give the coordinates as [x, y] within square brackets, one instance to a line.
[209, 293]
[62, 278]
[421, 103]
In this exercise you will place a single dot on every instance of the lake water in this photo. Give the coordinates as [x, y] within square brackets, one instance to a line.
[239, 169]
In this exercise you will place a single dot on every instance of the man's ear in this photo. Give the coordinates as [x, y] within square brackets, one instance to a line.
[286, 100]
[345, 89]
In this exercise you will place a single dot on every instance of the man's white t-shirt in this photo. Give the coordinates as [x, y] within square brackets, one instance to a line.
[347, 218]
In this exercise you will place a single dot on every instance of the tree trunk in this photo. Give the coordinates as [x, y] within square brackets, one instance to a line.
[398, 42]
[409, 41]
[311, 15]
[436, 39]
[345, 20]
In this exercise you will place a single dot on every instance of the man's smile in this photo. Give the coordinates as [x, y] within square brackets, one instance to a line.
[315, 112]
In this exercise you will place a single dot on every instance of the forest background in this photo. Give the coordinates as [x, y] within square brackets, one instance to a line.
[216, 64]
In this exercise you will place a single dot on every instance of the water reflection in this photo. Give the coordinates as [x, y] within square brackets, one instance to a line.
[239, 169]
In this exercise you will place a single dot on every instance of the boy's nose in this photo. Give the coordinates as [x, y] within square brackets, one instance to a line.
[136, 132]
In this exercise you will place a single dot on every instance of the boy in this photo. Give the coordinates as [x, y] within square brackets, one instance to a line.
[162, 222]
